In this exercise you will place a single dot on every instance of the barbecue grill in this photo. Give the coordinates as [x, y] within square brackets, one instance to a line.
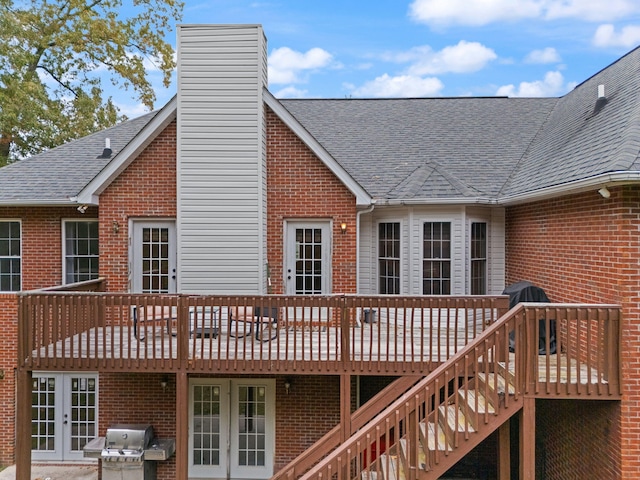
[129, 452]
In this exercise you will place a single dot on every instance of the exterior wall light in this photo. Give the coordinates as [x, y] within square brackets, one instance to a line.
[343, 227]
[604, 192]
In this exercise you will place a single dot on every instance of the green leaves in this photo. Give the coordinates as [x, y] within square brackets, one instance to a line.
[54, 57]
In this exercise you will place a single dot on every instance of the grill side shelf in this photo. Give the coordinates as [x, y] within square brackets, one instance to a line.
[160, 449]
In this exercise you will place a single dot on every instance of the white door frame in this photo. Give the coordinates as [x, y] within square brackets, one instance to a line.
[59, 398]
[292, 253]
[226, 393]
[136, 227]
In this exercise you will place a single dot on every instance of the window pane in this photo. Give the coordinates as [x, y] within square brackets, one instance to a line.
[81, 251]
[436, 265]
[389, 258]
[10, 260]
[478, 258]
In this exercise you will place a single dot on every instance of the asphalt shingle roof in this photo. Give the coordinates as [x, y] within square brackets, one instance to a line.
[425, 148]
[581, 139]
[62, 172]
[420, 148]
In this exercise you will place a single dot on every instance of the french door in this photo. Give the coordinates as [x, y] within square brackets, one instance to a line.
[308, 258]
[231, 428]
[153, 257]
[64, 415]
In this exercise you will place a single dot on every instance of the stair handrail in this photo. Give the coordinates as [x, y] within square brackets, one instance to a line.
[405, 414]
[331, 439]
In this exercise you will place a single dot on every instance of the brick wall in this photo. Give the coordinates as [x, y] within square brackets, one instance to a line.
[301, 187]
[146, 189]
[585, 249]
[41, 230]
[9, 349]
[580, 423]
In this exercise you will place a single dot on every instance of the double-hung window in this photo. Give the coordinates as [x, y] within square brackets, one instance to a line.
[10, 256]
[80, 251]
[389, 258]
[478, 258]
[436, 261]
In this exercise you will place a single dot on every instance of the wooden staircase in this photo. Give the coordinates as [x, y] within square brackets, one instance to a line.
[451, 430]
[445, 415]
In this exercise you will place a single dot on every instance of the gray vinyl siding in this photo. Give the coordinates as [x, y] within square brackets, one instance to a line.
[411, 221]
[221, 149]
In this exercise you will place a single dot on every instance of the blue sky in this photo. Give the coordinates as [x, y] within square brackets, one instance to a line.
[425, 48]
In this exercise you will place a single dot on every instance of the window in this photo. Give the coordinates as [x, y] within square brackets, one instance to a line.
[436, 263]
[80, 251]
[478, 258]
[389, 258]
[10, 259]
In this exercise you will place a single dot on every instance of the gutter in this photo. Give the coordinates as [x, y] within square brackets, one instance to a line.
[592, 183]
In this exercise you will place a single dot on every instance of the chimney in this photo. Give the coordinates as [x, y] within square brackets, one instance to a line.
[221, 164]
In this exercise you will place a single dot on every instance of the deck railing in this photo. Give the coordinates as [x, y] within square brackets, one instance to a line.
[480, 383]
[315, 334]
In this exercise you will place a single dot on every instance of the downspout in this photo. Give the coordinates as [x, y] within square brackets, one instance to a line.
[367, 210]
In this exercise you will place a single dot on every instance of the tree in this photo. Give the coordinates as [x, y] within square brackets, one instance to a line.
[55, 56]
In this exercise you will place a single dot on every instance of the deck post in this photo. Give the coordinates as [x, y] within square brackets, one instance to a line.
[182, 425]
[504, 451]
[23, 425]
[528, 439]
[345, 407]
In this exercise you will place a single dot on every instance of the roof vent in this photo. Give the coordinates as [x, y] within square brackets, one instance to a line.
[106, 153]
[602, 100]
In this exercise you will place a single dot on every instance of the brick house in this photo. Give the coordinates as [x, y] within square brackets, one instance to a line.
[228, 197]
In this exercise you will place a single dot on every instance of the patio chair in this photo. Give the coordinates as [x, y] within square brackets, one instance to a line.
[152, 313]
[262, 322]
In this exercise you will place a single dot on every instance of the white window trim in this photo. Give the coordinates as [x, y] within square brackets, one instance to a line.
[376, 250]
[63, 234]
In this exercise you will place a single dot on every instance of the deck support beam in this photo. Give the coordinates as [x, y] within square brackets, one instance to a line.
[504, 451]
[182, 425]
[528, 439]
[345, 407]
[23, 425]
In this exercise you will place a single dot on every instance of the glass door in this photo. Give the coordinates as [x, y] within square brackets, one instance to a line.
[232, 428]
[64, 415]
[153, 257]
[308, 258]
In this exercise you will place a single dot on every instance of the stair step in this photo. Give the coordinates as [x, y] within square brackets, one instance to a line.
[434, 442]
[476, 401]
[454, 418]
[404, 455]
[390, 467]
[508, 374]
[493, 379]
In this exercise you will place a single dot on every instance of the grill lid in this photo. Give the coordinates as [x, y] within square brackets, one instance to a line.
[128, 437]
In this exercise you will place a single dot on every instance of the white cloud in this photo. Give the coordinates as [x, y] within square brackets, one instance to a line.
[289, 66]
[472, 12]
[290, 92]
[547, 55]
[464, 57]
[483, 12]
[590, 10]
[552, 86]
[606, 36]
[400, 86]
